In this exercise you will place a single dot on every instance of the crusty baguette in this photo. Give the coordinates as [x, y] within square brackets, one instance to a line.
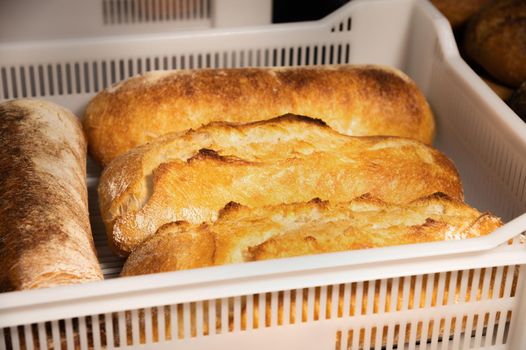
[45, 234]
[354, 100]
[190, 176]
[243, 234]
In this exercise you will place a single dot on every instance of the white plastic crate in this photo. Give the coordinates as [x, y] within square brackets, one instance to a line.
[456, 294]
[28, 20]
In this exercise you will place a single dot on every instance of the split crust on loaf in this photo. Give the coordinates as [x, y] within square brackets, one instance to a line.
[45, 234]
[243, 234]
[358, 100]
[191, 175]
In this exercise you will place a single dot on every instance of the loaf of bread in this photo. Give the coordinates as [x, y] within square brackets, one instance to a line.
[354, 100]
[191, 175]
[45, 234]
[243, 234]
[459, 12]
[495, 38]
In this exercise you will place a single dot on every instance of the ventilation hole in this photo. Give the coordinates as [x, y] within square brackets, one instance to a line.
[41, 86]
[233, 63]
[323, 55]
[104, 69]
[225, 62]
[69, 87]
[250, 61]
[51, 82]
[60, 77]
[95, 70]
[105, 15]
[22, 74]
[241, 59]
[282, 56]
[347, 53]
[307, 55]
[86, 77]
[14, 87]
[148, 67]
[291, 57]
[77, 78]
[139, 12]
[130, 68]
[216, 60]
[191, 62]
[507, 325]
[32, 82]
[122, 70]
[349, 24]
[315, 55]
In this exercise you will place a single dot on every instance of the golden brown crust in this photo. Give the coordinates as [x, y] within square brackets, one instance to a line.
[190, 176]
[496, 39]
[45, 235]
[355, 100]
[244, 234]
[459, 12]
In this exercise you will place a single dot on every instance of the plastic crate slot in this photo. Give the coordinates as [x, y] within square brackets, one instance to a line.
[95, 74]
[500, 319]
[511, 282]
[69, 334]
[13, 340]
[42, 335]
[14, 83]
[50, 81]
[5, 86]
[490, 328]
[23, 84]
[506, 328]
[118, 12]
[480, 320]
[60, 79]
[343, 26]
[31, 81]
[27, 339]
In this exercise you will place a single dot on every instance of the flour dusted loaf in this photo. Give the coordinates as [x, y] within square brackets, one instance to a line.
[243, 234]
[354, 100]
[45, 235]
[191, 175]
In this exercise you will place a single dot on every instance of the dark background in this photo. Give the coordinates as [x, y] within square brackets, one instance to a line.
[303, 10]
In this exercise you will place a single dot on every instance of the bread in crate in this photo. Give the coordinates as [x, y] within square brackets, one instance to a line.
[243, 234]
[191, 175]
[495, 39]
[354, 100]
[45, 232]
